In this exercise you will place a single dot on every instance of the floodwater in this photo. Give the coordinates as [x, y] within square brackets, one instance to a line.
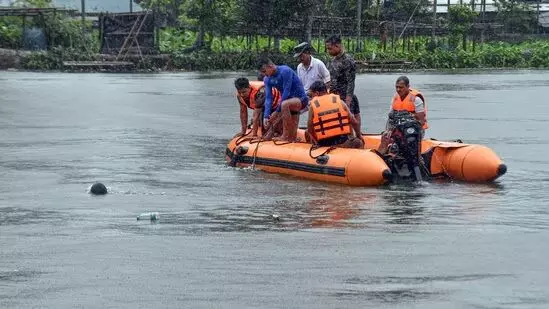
[157, 141]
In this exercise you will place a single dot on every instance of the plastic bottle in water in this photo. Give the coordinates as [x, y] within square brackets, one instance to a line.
[153, 216]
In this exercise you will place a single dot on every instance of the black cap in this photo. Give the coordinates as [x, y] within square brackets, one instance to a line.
[304, 47]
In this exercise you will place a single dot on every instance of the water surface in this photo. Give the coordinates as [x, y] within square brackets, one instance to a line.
[157, 141]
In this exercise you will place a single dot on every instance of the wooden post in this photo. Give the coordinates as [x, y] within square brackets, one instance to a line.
[101, 31]
[359, 24]
[474, 44]
[416, 44]
[320, 40]
[393, 37]
[24, 26]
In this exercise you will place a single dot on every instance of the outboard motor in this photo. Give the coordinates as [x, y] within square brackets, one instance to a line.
[406, 145]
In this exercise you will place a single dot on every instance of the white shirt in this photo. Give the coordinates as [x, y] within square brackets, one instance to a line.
[316, 71]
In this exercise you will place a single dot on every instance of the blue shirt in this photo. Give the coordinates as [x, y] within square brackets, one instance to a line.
[287, 82]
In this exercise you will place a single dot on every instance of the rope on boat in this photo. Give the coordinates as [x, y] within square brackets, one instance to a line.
[315, 147]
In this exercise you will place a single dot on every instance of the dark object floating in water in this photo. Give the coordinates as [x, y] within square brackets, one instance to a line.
[98, 189]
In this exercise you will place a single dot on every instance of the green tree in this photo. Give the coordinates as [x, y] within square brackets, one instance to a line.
[168, 8]
[208, 16]
[516, 16]
[275, 17]
[33, 3]
[460, 22]
[402, 10]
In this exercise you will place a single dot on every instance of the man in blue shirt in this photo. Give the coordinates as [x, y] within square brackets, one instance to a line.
[293, 99]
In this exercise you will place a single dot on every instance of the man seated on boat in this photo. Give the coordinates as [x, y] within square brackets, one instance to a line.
[330, 121]
[405, 99]
[293, 98]
[251, 94]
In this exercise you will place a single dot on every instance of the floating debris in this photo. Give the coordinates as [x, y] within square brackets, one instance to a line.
[152, 216]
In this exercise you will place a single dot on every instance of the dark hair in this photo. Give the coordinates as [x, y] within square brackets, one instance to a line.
[334, 39]
[260, 77]
[318, 86]
[263, 61]
[242, 83]
[403, 79]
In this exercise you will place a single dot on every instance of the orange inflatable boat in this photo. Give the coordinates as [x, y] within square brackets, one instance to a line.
[363, 167]
[356, 167]
[455, 160]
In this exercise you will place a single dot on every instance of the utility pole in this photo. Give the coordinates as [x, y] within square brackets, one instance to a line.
[434, 19]
[131, 6]
[83, 15]
[538, 25]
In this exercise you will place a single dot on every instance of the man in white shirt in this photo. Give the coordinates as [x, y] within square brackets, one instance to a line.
[310, 69]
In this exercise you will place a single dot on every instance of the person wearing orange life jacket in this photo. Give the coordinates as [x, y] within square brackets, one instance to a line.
[330, 121]
[406, 99]
[251, 94]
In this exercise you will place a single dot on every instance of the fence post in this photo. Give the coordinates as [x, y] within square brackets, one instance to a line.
[359, 24]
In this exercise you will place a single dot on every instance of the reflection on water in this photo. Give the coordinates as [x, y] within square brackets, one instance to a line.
[404, 204]
[337, 206]
[397, 289]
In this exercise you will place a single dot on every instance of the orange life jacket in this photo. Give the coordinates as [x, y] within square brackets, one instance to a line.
[330, 118]
[257, 87]
[408, 104]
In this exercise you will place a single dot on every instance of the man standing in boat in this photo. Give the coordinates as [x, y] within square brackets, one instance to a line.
[405, 99]
[293, 98]
[310, 69]
[251, 94]
[330, 121]
[342, 69]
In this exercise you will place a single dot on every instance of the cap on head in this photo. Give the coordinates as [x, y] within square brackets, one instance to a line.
[303, 47]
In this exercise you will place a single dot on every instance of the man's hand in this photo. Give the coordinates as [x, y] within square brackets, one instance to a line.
[348, 100]
[360, 137]
[386, 136]
[266, 123]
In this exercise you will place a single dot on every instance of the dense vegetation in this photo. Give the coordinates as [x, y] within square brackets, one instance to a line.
[230, 34]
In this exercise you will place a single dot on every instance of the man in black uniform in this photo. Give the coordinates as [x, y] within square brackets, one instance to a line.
[342, 72]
